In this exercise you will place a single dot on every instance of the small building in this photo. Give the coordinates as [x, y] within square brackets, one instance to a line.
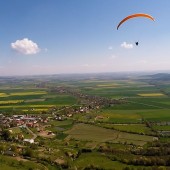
[28, 140]
[9, 153]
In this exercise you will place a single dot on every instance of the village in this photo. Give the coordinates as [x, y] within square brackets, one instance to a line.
[39, 121]
[25, 128]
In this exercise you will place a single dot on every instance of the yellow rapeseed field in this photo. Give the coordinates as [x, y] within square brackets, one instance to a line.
[150, 94]
[3, 95]
[28, 93]
[10, 101]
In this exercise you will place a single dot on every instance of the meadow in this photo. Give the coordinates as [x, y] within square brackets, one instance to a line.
[131, 128]
[97, 160]
[99, 134]
[8, 163]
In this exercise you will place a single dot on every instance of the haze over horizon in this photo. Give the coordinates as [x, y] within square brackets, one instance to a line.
[55, 37]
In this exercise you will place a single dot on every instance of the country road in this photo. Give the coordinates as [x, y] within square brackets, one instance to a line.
[147, 105]
[31, 132]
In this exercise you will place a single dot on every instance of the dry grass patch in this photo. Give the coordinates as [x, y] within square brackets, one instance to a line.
[46, 134]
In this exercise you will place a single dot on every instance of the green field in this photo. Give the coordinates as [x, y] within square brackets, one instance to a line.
[97, 160]
[162, 128]
[98, 134]
[26, 99]
[121, 116]
[8, 163]
[131, 128]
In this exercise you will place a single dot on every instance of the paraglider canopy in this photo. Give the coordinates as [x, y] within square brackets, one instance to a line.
[134, 16]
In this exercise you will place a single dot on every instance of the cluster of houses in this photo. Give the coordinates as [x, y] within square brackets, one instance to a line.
[24, 122]
[35, 121]
[68, 112]
[20, 120]
[93, 102]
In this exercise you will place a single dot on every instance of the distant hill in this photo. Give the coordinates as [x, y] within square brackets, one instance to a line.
[160, 76]
[156, 77]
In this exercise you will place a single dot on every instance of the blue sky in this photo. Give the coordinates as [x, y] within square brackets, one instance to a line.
[80, 36]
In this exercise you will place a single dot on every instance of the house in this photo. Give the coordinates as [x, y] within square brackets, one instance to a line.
[69, 115]
[50, 133]
[9, 153]
[99, 117]
[28, 140]
[60, 161]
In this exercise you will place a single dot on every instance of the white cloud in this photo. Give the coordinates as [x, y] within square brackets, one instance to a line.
[25, 46]
[126, 45]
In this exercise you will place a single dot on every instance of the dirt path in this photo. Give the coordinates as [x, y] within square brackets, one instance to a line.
[148, 105]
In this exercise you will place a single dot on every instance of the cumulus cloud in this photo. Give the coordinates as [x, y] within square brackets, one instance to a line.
[126, 45]
[25, 46]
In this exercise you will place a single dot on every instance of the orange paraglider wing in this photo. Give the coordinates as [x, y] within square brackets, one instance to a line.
[133, 16]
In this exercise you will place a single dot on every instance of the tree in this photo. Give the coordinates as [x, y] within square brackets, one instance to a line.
[14, 148]
[28, 152]
[6, 134]
[2, 148]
